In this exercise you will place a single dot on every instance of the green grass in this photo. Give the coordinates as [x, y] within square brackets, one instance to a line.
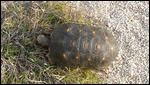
[23, 61]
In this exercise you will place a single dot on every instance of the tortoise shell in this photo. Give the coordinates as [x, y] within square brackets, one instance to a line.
[81, 45]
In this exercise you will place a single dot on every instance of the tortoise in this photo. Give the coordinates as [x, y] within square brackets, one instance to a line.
[79, 45]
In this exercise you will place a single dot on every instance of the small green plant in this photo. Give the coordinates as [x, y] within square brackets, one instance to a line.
[23, 61]
[80, 76]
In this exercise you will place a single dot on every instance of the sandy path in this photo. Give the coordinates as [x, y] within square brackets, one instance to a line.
[129, 22]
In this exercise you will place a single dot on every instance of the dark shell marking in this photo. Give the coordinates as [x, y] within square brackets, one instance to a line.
[82, 45]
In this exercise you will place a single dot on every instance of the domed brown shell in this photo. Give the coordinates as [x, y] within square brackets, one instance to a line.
[81, 45]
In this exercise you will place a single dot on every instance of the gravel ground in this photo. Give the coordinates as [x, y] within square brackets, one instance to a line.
[129, 22]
